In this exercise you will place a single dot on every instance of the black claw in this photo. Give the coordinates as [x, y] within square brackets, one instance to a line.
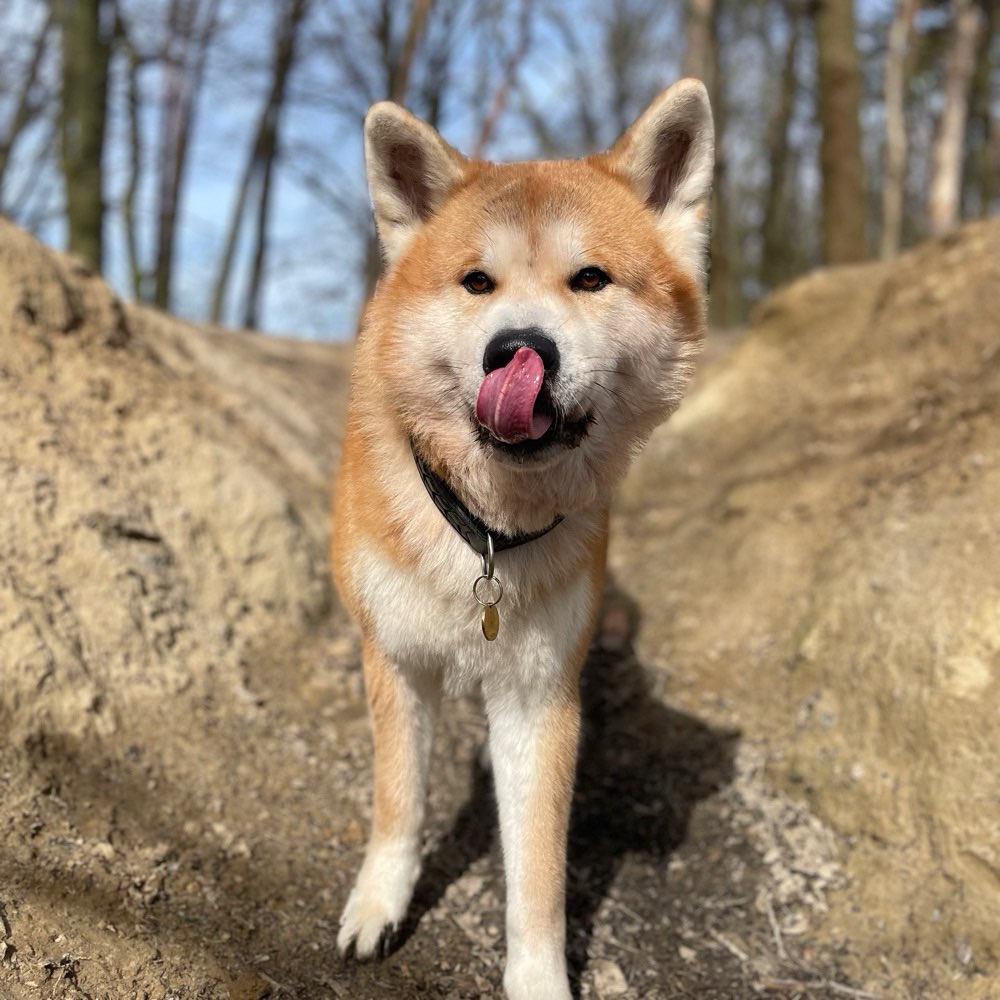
[386, 941]
[384, 946]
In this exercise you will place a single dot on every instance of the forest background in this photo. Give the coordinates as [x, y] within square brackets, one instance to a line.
[205, 155]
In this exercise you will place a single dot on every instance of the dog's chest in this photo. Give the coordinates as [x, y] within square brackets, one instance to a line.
[427, 617]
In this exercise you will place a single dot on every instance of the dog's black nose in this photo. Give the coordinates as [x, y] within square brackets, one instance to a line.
[507, 343]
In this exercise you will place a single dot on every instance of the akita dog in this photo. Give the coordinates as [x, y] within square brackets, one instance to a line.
[535, 322]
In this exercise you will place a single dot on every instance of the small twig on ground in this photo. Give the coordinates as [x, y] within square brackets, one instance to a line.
[279, 988]
[729, 946]
[817, 984]
[775, 929]
[615, 943]
[851, 991]
[627, 910]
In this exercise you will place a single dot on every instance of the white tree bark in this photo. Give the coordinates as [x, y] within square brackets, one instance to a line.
[900, 37]
[944, 195]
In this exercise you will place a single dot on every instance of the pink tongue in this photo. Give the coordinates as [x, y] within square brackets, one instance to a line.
[506, 402]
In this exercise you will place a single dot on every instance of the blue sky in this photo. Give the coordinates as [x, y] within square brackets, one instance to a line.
[311, 287]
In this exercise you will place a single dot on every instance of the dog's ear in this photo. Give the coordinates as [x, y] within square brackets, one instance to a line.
[668, 156]
[411, 169]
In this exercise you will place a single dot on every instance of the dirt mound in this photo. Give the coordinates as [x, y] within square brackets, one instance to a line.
[163, 490]
[823, 556]
[165, 517]
[806, 594]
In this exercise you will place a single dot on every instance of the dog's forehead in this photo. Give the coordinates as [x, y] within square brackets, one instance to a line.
[541, 212]
[506, 244]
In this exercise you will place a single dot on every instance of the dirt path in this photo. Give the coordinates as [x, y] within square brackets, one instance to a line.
[185, 762]
[210, 858]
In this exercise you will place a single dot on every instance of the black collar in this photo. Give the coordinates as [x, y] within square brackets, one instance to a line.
[472, 531]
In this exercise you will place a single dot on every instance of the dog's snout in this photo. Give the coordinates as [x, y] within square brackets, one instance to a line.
[507, 343]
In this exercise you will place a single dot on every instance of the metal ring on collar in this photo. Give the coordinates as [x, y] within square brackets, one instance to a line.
[496, 587]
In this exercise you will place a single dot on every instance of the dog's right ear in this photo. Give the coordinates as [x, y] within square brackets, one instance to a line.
[411, 170]
[667, 156]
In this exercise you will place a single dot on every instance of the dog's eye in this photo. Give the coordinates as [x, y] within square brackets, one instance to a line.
[478, 283]
[590, 279]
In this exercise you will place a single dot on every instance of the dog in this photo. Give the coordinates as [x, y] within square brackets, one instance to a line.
[534, 323]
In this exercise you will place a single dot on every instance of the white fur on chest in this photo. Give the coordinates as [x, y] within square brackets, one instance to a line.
[426, 617]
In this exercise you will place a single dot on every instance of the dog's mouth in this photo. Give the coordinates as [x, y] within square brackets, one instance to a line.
[560, 429]
[561, 434]
[517, 414]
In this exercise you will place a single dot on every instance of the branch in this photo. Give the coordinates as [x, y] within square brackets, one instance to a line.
[502, 93]
[24, 107]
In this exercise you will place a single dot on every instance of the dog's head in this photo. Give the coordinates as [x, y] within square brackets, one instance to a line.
[537, 320]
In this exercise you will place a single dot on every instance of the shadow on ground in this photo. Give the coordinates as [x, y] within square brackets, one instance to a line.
[237, 876]
[642, 769]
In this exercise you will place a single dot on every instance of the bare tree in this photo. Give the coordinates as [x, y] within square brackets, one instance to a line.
[700, 38]
[616, 56]
[774, 229]
[397, 63]
[361, 53]
[501, 95]
[260, 165]
[944, 193]
[27, 102]
[900, 39]
[571, 77]
[838, 104]
[399, 69]
[701, 60]
[983, 159]
[85, 53]
[191, 27]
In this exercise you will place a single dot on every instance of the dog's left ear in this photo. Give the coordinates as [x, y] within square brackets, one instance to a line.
[411, 170]
[668, 157]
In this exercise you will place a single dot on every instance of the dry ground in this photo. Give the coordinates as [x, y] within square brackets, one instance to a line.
[184, 766]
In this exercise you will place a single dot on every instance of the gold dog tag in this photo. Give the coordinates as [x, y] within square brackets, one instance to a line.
[490, 618]
[491, 622]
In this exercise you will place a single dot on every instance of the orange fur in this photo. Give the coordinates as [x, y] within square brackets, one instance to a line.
[398, 799]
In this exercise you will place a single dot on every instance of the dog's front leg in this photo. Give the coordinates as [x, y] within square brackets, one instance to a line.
[402, 709]
[533, 743]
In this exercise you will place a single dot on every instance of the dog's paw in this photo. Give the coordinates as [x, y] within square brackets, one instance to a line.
[366, 930]
[377, 904]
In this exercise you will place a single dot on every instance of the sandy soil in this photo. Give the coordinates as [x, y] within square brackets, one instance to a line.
[185, 767]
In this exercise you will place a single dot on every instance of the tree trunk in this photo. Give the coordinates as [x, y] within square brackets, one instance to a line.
[232, 235]
[137, 275]
[38, 195]
[725, 304]
[701, 60]
[251, 307]
[397, 73]
[518, 50]
[699, 31]
[85, 53]
[949, 145]
[259, 163]
[399, 70]
[774, 251]
[838, 101]
[983, 161]
[184, 68]
[893, 183]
